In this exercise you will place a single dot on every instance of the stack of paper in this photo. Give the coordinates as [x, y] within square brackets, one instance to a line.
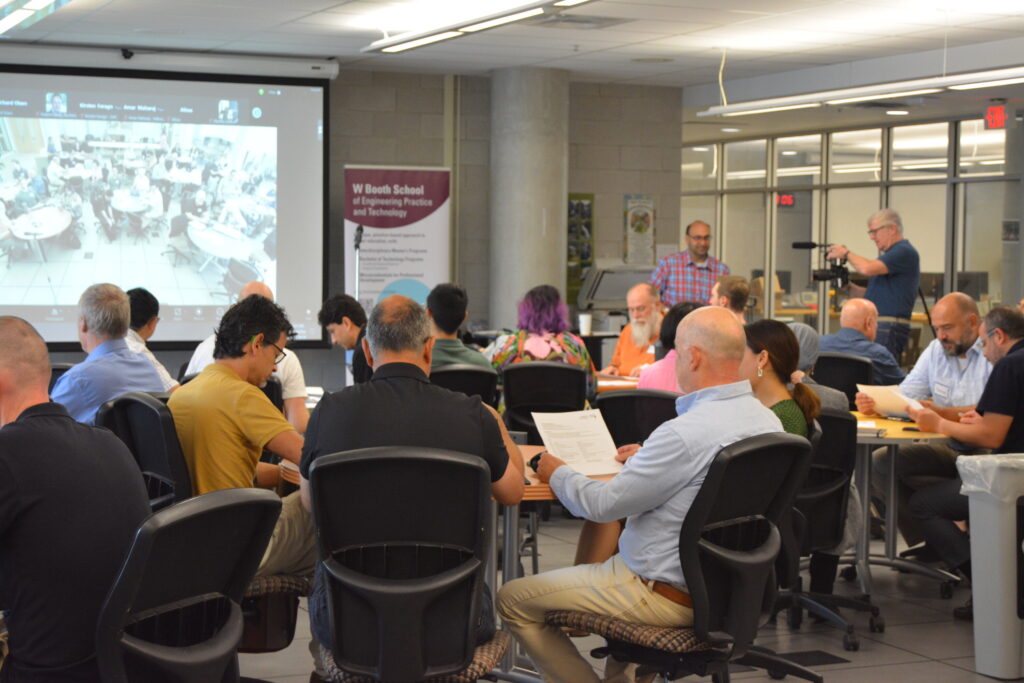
[580, 439]
[888, 399]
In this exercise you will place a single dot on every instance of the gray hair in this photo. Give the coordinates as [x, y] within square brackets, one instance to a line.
[887, 217]
[1009, 320]
[106, 310]
[397, 324]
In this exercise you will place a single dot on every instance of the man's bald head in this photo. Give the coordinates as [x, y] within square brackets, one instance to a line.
[858, 313]
[24, 359]
[956, 322]
[256, 287]
[956, 303]
[715, 331]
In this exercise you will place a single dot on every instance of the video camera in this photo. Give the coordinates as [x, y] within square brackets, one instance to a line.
[835, 272]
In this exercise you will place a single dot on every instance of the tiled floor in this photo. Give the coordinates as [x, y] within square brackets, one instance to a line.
[921, 642]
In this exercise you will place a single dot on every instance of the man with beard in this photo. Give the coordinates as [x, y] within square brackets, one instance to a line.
[635, 349]
[731, 292]
[689, 275]
[948, 378]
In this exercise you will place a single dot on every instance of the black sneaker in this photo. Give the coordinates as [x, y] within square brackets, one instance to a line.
[965, 612]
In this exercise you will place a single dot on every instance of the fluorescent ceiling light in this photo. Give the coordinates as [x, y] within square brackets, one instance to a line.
[484, 25]
[993, 162]
[884, 96]
[914, 167]
[789, 153]
[730, 130]
[765, 110]
[897, 112]
[14, 18]
[987, 84]
[699, 149]
[570, 3]
[420, 42]
[37, 4]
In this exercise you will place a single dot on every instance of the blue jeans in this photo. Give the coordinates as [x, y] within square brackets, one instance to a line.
[893, 336]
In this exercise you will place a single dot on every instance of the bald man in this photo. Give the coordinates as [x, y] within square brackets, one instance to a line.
[654, 490]
[288, 372]
[635, 348]
[948, 378]
[858, 329]
[71, 496]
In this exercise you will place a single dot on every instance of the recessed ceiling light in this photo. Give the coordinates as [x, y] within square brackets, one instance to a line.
[730, 130]
[897, 112]
[700, 149]
[789, 153]
[652, 60]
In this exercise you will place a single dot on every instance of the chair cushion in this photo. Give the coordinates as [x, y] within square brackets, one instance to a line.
[279, 583]
[662, 638]
[485, 658]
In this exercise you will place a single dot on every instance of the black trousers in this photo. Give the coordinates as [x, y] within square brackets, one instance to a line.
[935, 508]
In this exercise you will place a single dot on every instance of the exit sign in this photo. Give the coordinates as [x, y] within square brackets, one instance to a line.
[998, 116]
[786, 199]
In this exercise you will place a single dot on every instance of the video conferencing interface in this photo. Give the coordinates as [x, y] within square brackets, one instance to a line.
[187, 188]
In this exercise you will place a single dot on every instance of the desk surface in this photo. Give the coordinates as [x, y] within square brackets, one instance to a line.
[41, 223]
[536, 490]
[896, 432]
[605, 383]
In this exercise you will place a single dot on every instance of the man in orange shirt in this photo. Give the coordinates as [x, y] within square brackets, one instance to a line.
[635, 348]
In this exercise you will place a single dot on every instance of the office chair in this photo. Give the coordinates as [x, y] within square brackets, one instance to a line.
[406, 584]
[728, 544]
[633, 414]
[541, 387]
[174, 610]
[843, 371]
[817, 524]
[56, 370]
[237, 275]
[471, 380]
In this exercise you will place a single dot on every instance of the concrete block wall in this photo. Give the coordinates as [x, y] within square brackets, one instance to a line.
[625, 139]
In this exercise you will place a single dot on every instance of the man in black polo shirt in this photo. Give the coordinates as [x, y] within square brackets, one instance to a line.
[996, 423]
[71, 499]
[399, 406]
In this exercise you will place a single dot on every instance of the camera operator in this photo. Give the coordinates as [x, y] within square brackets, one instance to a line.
[892, 278]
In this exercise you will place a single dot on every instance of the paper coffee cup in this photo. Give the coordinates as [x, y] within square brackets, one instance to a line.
[586, 323]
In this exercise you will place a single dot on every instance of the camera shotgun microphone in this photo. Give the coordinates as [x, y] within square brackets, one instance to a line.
[810, 245]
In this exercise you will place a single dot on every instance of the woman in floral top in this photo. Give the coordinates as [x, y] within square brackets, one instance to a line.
[543, 334]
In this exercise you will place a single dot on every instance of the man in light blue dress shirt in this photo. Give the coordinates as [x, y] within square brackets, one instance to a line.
[654, 491]
[111, 368]
[948, 378]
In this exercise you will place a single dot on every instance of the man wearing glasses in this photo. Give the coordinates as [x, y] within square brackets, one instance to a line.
[224, 422]
[893, 278]
[689, 275]
[635, 348]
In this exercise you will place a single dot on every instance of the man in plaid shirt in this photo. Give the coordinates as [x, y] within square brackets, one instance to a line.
[689, 275]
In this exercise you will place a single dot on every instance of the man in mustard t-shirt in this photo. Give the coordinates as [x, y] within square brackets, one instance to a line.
[224, 422]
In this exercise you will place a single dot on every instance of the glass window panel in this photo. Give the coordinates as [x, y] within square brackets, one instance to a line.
[798, 160]
[982, 152]
[744, 231]
[847, 223]
[796, 221]
[856, 156]
[920, 152]
[700, 168]
[745, 163]
[992, 264]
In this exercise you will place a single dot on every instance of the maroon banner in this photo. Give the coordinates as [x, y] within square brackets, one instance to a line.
[393, 198]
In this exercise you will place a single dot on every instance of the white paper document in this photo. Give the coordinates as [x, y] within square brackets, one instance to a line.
[888, 399]
[580, 439]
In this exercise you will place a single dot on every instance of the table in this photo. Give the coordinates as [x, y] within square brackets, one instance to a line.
[39, 224]
[609, 383]
[219, 241]
[895, 434]
[126, 201]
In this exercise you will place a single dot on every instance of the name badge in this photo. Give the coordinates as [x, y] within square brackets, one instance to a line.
[941, 391]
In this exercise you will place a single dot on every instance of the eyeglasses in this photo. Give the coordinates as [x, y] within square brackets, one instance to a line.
[871, 233]
[280, 353]
[700, 238]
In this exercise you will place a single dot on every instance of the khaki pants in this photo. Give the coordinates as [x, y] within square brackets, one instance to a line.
[609, 588]
[292, 548]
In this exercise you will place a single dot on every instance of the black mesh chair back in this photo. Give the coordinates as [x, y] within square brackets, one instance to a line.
[471, 380]
[822, 498]
[405, 583]
[56, 370]
[145, 425]
[541, 387]
[843, 371]
[632, 415]
[173, 614]
[730, 537]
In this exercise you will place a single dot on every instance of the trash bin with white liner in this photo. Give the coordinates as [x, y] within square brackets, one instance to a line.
[994, 485]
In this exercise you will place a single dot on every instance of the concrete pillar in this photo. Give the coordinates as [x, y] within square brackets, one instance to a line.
[529, 185]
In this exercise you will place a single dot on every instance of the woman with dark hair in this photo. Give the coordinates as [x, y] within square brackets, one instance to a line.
[661, 374]
[769, 364]
[543, 334]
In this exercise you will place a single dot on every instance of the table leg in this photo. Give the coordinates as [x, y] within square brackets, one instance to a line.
[863, 472]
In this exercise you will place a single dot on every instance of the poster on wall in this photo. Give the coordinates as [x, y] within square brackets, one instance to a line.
[399, 219]
[639, 221]
[580, 254]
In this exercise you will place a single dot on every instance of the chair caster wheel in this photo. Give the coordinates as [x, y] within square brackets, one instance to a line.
[876, 624]
[946, 590]
[849, 574]
[776, 675]
[850, 642]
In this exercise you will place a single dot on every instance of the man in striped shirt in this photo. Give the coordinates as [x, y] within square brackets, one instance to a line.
[689, 275]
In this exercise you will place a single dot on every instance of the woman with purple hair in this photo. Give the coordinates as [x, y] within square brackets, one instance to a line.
[543, 334]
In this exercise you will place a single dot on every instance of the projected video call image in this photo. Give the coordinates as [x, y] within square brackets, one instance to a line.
[188, 209]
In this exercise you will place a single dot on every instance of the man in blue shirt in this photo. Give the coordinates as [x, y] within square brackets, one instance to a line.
[654, 491]
[858, 328]
[893, 278]
[948, 378]
[111, 368]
